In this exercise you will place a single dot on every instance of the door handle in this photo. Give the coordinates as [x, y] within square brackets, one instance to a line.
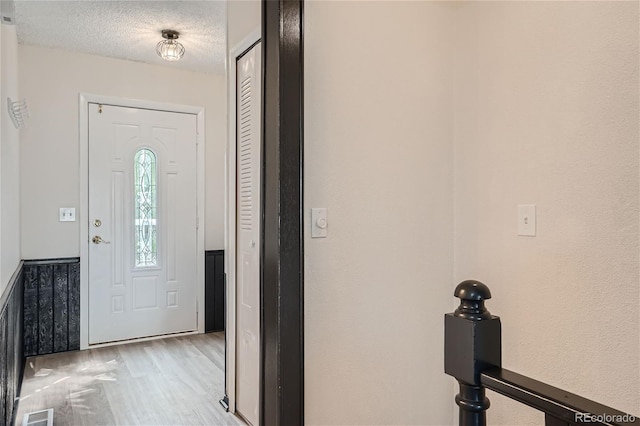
[98, 239]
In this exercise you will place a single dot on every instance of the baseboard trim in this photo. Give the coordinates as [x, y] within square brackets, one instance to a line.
[143, 339]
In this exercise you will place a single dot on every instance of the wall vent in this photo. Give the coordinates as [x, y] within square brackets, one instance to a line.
[38, 418]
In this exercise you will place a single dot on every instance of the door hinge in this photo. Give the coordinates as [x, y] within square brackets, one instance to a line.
[197, 223]
[99, 108]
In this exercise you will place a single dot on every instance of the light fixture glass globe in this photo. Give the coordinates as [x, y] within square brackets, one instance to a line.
[170, 50]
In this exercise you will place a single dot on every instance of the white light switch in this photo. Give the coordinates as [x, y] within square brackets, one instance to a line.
[527, 220]
[67, 214]
[319, 223]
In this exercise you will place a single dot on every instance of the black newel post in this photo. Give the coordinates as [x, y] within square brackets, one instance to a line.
[472, 342]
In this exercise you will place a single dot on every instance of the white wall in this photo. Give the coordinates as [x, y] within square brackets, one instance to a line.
[9, 160]
[3, 123]
[378, 155]
[51, 80]
[243, 18]
[546, 105]
[422, 115]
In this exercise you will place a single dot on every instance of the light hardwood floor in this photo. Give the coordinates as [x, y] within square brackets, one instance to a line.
[173, 381]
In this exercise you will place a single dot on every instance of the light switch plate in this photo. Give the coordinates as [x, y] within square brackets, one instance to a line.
[319, 223]
[527, 220]
[67, 214]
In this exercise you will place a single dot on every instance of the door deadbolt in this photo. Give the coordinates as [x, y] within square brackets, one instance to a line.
[97, 223]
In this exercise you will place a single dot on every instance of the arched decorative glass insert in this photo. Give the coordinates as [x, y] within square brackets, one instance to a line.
[146, 207]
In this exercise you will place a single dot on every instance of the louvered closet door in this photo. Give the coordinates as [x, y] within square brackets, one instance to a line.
[248, 95]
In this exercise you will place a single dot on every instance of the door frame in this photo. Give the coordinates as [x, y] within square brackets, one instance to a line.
[230, 217]
[84, 100]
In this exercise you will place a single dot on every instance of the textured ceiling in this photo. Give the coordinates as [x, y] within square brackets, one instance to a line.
[127, 29]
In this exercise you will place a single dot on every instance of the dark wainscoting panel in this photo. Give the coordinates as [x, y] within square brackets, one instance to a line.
[11, 355]
[214, 291]
[51, 306]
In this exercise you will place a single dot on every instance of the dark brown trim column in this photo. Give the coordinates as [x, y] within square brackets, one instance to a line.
[282, 320]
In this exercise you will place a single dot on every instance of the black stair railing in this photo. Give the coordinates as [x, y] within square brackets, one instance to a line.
[473, 356]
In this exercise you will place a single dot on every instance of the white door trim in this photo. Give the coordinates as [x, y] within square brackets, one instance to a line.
[230, 216]
[84, 100]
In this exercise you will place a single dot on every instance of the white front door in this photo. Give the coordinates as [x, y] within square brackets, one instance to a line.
[142, 223]
[248, 98]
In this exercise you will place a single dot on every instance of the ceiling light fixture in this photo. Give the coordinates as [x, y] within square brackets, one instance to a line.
[170, 49]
